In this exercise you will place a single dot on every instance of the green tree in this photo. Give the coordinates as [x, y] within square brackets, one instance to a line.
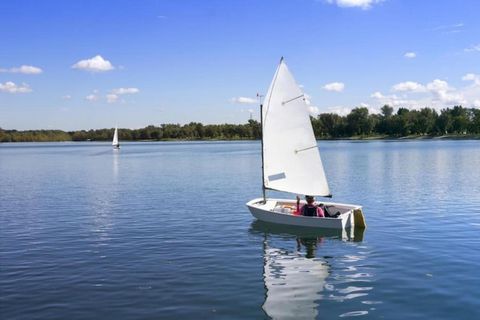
[387, 111]
[358, 122]
[460, 119]
[444, 122]
[474, 126]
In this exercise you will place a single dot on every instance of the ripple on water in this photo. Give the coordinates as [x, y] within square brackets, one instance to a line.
[354, 314]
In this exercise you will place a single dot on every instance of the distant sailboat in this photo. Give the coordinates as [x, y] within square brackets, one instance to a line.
[291, 160]
[115, 143]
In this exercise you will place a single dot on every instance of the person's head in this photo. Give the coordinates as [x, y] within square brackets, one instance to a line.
[310, 199]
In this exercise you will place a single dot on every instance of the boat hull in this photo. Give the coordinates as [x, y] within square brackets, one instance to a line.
[278, 211]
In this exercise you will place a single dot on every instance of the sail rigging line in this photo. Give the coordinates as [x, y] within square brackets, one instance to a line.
[285, 102]
[305, 149]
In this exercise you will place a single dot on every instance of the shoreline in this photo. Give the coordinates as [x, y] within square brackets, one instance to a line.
[354, 138]
[409, 137]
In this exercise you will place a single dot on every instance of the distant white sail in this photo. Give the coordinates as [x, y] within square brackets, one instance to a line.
[115, 137]
[292, 161]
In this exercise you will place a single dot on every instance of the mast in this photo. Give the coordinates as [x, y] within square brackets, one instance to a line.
[263, 162]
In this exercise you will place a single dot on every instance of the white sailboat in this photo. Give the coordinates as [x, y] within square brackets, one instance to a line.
[291, 160]
[115, 143]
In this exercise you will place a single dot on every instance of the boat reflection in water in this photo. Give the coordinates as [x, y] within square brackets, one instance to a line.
[295, 278]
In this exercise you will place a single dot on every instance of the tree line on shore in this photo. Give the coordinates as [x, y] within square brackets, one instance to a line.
[358, 123]
[404, 122]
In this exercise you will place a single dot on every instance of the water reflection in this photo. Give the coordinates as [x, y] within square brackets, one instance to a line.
[293, 283]
[116, 157]
[299, 276]
[349, 234]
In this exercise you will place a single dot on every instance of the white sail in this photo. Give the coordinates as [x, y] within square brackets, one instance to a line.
[291, 158]
[115, 137]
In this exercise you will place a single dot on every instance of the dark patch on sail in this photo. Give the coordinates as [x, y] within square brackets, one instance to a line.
[277, 176]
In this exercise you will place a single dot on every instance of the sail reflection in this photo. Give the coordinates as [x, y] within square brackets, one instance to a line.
[296, 276]
[293, 283]
[116, 157]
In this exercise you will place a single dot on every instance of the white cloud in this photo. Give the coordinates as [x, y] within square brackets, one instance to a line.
[444, 93]
[372, 110]
[410, 55]
[92, 97]
[114, 94]
[344, 111]
[340, 110]
[450, 27]
[11, 87]
[27, 70]
[244, 100]
[437, 94]
[23, 69]
[392, 100]
[112, 98]
[95, 64]
[364, 4]
[307, 98]
[314, 111]
[67, 97]
[334, 86]
[409, 86]
[472, 77]
[474, 48]
[377, 95]
[121, 91]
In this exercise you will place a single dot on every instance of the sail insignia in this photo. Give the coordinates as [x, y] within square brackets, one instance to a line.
[277, 176]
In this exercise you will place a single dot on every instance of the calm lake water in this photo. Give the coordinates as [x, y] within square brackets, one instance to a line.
[161, 230]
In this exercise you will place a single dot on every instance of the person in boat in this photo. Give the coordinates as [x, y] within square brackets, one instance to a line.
[327, 213]
[310, 209]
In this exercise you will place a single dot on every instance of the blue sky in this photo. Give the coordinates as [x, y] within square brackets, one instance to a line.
[93, 64]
